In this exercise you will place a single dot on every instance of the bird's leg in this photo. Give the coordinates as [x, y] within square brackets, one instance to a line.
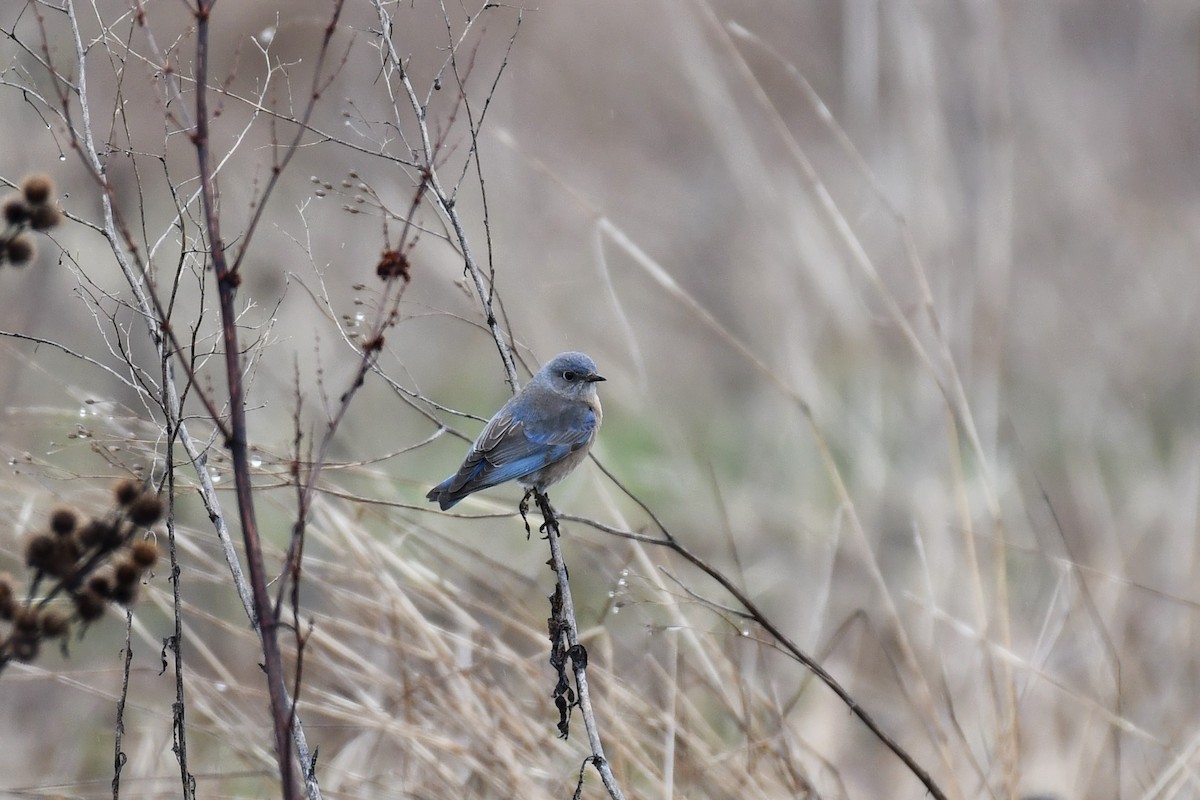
[548, 516]
[524, 509]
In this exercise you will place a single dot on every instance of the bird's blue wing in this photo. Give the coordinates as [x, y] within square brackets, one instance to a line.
[510, 448]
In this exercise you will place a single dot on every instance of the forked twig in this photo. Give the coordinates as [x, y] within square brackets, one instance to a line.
[564, 628]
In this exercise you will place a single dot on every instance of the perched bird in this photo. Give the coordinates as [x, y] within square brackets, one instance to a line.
[540, 435]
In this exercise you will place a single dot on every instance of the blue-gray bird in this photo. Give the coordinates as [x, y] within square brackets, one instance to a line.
[540, 435]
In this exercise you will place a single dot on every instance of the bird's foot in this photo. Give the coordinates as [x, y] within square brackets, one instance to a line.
[548, 516]
[524, 509]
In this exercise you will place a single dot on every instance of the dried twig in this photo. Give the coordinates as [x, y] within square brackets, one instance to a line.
[563, 626]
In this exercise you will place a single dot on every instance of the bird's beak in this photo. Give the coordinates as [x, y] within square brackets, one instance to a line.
[594, 378]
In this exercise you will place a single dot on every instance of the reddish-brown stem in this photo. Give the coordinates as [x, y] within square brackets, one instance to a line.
[227, 284]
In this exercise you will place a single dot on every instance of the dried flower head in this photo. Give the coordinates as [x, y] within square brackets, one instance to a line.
[145, 510]
[126, 572]
[90, 533]
[63, 521]
[144, 553]
[66, 554]
[99, 533]
[393, 264]
[38, 189]
[89, 605]
[18, 251]
[39, 552]
[100, 585]
[43, 218]
[125, 593]
[16, 211]
[126, 490]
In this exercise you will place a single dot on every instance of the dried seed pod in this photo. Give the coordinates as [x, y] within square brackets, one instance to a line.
[126, 572]
[63, 521]
[89, 605]
[126, 490]
[125, 593]
[39, 552]
[43, 218]
[144, 553]
[38, 189]
[18, 251]
[100, 533]
[100, 585]
[66, 555]
[146, 510]
[15, 210]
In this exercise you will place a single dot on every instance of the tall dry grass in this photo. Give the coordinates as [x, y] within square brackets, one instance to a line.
[898, 308]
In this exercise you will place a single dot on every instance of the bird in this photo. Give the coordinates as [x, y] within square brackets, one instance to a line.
[542, 433]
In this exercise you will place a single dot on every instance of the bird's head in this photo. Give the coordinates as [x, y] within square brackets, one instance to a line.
[570, 374]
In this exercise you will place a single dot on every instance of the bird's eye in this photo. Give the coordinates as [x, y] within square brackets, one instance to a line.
[569, 376]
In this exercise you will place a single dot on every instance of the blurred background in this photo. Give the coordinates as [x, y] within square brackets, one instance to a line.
[897, 303]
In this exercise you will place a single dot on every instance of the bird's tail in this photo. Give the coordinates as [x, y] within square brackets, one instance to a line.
[442, 495]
